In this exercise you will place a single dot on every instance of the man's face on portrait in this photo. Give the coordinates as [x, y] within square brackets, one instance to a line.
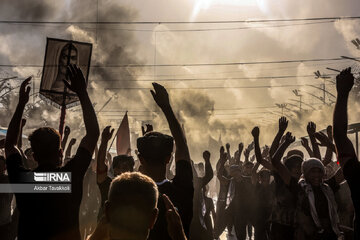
[63, 61]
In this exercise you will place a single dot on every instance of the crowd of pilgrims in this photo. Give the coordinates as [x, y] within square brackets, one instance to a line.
[261, 192]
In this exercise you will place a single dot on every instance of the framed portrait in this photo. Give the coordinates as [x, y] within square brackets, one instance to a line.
[59, 54]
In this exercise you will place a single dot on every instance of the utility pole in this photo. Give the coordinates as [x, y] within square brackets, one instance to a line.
[282, 106]
[323, 77]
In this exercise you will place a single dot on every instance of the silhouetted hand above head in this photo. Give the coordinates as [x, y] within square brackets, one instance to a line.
[206, 156]
[344, 82]
[283, 123]
[160, 96]
[77, 82]
[24, 91]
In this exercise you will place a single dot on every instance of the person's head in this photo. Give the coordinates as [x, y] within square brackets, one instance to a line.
[131, 206]
[313, 170]
[68, 50]
[293, 163]
[2, 165]
[264, 176]
[235, 172]
[123, 163]
[295, 152]
[154, 150]
[45, 145]
[247, 168]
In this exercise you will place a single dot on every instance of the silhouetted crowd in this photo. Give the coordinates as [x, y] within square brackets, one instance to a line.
[273, 193]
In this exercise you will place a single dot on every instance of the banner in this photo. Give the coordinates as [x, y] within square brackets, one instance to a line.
[123, 137]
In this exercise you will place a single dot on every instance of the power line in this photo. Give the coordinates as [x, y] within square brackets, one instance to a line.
[222, 72]
[180, 22]
[208, 79]
[187, 88]
[189, 30]
[190, 64]
[215, 109]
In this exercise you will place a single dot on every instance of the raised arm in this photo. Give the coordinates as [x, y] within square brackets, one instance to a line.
[161, 97]
[283, 123]
[209, 173]
[19, 141]
[149, 128]
[276, 159]
[345, 149]
[14, 125]
[231, 160]
[325, 141]
[247, 152]
[65, 137]
[101, 171]
[239, 152]
[330, 149]
[311, 130]
[328, 156]
[69, 147]
[78, 85]
[256, 132]
[222, 160]
[305, 144]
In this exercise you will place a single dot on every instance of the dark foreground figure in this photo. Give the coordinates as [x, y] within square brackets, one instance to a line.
[51, 215]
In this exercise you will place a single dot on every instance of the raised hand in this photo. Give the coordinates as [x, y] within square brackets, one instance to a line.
[311, 128]
[67, 130]
[77, 82]
[227, 147]
[72, 141]
[283, 123]
[222, 150]
[255, 132]
[206, 156]
[304, 142]
[329, 131]
[344, 81]
[241, 147]
[24, 91]
[247, 153]
[323, 139]
[289, 139]
[160, 96]
[149, 128]
[107, 134]
[223, 155]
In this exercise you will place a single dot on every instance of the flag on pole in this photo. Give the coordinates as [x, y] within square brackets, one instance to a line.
[123, 137]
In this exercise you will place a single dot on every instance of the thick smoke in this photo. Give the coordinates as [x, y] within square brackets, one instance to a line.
[198, 110]
[24, 44]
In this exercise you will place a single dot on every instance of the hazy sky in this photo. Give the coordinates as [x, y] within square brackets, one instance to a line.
[149, 44]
